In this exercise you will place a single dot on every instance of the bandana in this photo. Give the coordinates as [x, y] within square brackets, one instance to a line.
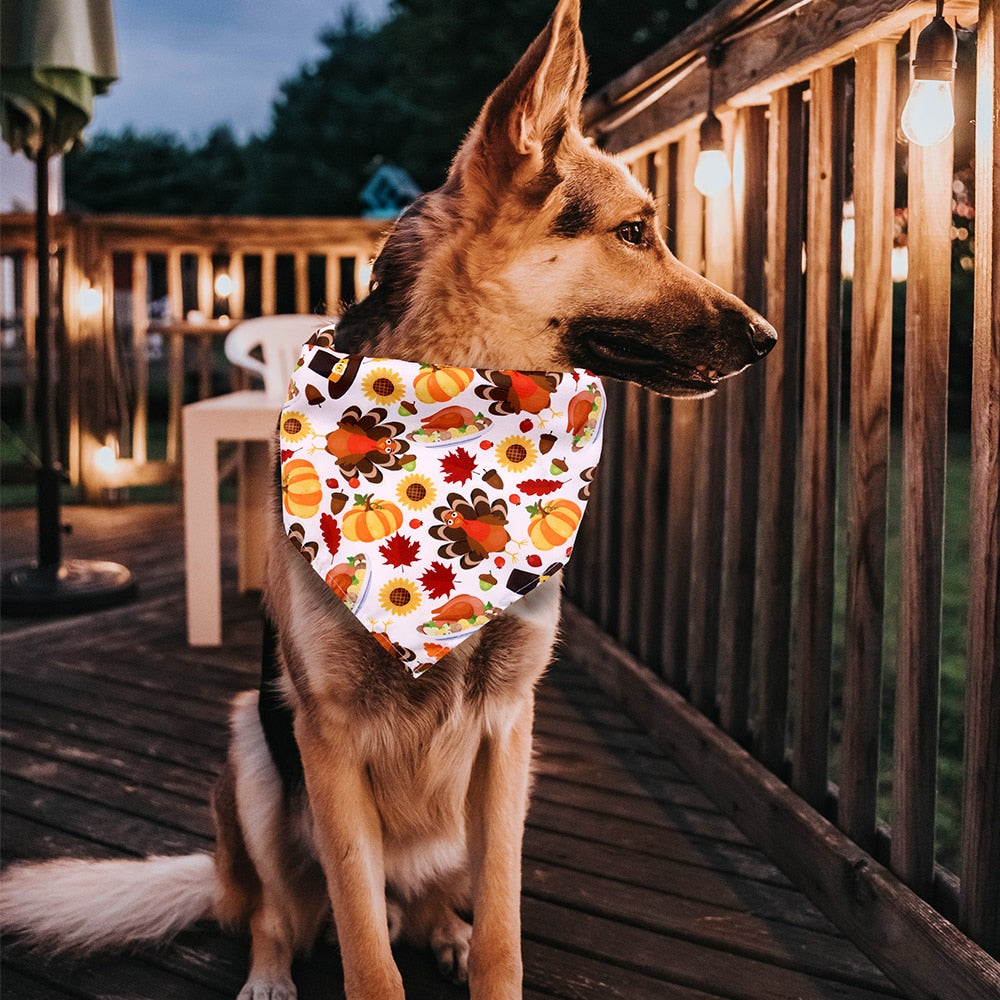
[431, 498]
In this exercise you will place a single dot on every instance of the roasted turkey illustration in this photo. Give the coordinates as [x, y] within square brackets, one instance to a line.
[471, 528]
[461, 608]
[581, 406]
[448, 417]
[365, 444]
[516, 392]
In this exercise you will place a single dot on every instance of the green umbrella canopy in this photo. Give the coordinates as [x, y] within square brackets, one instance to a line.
[56, 56]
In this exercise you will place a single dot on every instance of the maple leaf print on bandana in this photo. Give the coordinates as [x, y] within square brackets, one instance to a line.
[430, 498]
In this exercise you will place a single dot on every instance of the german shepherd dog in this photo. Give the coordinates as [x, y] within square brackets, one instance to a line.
[406, 819]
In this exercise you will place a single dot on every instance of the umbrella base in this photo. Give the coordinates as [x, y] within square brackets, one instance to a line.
[72, 587]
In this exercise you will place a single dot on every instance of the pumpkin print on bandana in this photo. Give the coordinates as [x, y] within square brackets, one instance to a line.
[430, 498]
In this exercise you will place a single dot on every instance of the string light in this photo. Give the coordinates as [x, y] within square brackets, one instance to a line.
[89, 300]
[712, 173]
[223, 285]
[929, 114]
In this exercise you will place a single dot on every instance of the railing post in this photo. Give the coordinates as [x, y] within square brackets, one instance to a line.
[656, 416]
[871, 374]
[925, 431]
[140, 356]
[773, 597]
[817, 487]
[683, 442]
[710, 480]
[980, 899]
[743, 425]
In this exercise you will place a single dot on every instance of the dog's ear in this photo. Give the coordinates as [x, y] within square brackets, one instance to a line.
[523, 122]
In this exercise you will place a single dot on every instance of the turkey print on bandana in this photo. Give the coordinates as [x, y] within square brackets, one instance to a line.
[430, 498]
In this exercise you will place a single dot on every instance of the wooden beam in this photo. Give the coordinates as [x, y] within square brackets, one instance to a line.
[980, 899]
[175, 360]
[871, 376]
[925, 435]
[783, 48]
[333, 300]
[743, 429]
[302, 303]
[684, 421]
[817, 484]
[140, 356]
[655, 505]
[923, 953]
[773, 597]
[268, 282]
[237, 271]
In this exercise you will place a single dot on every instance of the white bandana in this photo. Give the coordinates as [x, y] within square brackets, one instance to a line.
[431, 498]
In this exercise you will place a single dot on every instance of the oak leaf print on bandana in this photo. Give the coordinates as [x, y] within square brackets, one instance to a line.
[430, 498]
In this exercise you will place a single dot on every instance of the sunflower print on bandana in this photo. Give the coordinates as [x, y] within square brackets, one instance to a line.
[429, 498]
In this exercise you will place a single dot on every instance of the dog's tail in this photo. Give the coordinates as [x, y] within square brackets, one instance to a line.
[80, 906]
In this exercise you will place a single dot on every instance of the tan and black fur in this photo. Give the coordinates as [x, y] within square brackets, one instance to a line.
[539, 252]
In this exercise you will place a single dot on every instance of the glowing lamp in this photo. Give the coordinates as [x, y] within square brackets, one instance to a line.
[223, 285]
[89, 300]
[712, 174]
[929, 114]
[105, 461]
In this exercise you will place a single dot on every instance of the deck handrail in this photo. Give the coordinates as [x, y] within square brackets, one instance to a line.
[742, 593]
[139, 289]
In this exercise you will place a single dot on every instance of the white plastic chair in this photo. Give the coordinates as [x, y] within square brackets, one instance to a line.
[249, 417]
[278, 339]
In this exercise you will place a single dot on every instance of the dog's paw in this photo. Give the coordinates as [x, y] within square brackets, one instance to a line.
[450, 945]
[281, 988]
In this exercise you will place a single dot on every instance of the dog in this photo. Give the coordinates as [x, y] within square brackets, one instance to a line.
[397, 804]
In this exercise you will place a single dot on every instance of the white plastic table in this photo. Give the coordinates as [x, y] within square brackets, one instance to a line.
[249, 416]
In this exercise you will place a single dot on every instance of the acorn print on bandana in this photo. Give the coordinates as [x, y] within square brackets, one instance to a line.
[430, 498]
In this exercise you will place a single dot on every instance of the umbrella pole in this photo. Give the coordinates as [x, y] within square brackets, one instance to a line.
[49, 537]
[52, 586]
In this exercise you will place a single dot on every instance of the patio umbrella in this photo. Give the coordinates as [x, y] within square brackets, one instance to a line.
[56, 56]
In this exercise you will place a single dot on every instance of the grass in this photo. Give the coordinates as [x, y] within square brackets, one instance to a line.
[953, 645]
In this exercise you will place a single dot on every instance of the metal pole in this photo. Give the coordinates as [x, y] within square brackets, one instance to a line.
[49, 539]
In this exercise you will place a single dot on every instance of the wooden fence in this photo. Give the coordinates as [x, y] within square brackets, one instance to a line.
[739, 545]
[141, 312]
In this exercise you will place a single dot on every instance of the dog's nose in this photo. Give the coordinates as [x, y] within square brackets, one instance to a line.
[763, 336]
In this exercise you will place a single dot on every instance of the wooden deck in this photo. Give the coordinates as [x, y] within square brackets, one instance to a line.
[634, 885]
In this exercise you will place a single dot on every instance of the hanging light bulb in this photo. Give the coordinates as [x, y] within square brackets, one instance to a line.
[223, 285]
[712, 174]
[929, 114]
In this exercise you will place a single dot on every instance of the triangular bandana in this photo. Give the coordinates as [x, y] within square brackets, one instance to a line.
[431, 498]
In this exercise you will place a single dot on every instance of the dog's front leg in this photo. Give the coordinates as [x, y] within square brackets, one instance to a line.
[349, 840]
[498, 799]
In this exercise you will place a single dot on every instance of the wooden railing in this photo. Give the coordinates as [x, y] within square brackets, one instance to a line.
[738, 545]
[141, 313]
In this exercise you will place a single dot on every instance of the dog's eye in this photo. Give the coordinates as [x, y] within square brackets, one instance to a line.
[632, 232]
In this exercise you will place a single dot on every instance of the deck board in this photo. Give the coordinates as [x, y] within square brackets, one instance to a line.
[635, 886]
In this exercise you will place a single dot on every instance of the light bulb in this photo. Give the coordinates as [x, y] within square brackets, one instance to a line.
[105, 460]
[89, 300]
[929, 114]
[711, 173]
[223, 285]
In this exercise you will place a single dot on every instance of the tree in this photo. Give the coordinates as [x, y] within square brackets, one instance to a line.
[156, 172]
[406, 91]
